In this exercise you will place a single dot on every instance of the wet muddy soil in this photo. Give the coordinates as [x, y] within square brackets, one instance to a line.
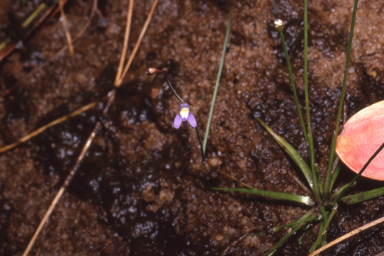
[141, 189]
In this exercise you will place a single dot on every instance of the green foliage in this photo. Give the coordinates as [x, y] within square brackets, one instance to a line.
[326, 205]
[305, 200]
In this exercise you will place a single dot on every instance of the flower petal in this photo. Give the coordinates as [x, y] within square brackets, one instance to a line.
[192, 120]
[177, 121]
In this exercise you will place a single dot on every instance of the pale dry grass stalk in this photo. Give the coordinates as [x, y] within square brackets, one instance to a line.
[348, 235]
[111, 97]
[125, 44]
[62, 189]
[80, 33]
[120, 80]
[65, 26]
[45, 127]
[66, 117]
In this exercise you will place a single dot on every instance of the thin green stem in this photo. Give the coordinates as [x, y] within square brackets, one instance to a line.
[299, 221]
[333, 212]
[294, 87]
[217, 82]
[288, 235]
[333, 143]
[31, 17]
[324, 213]
[363, 196]
[164, 71]
[201, 144]
[170, 85]
[305, 200]
[345, 189]
[334, 176]
[324, 229]
[316, 191]
[318, 239]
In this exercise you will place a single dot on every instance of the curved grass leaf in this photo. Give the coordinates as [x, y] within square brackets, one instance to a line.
[303, 218]
[293, 86]
[335, 197]
[288, 235]
[334, 176]
[306, 200]
[357, 198]
[291, 151]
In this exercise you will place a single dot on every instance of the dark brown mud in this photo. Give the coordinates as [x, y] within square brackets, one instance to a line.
[141, 190]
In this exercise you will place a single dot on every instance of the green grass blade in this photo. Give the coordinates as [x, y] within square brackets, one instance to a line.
[291, 151]
[299, 221]
[325, 228]
[367, 195]
[311, 147]
[318, 239]
[283, 240]
[334, 176]
[277, 229]
[288, 235]
[31, 17]
[306, 200]
[333, 143]
[317, 168]
[201, 144]
[345, 189]
[217, 82]
[293, 87]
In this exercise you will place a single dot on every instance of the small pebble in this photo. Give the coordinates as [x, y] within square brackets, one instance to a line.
[214, 162]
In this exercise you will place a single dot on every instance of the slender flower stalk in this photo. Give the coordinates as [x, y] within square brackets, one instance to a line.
[316, 185]
[327, 187]
[279, 26]
[184, 114]
[152, 71]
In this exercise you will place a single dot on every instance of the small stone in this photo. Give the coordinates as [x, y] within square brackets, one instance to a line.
[214, 162]
[373, 74]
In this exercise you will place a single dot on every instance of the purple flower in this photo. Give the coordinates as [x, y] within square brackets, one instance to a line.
[184, 115]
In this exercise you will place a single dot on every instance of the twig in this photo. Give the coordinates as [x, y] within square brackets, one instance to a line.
[125, 45]
[53, 123]
[65, 26]
[80, 33]
[62, 188]
[235, 243]
[138, 43]
[346, 236]
[111, 97]
[63, 118]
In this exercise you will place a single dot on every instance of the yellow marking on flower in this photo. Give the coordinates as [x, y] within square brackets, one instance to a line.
[184, 112]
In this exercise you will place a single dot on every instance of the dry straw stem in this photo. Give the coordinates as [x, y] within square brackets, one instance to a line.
[62, 188]
[346, 236]
[65, 26]
[53, 123]
[233, 178]
[120, 79]
[80, 33]
[125, 44]
[66, 117]
[111, 97]
[235, 243]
